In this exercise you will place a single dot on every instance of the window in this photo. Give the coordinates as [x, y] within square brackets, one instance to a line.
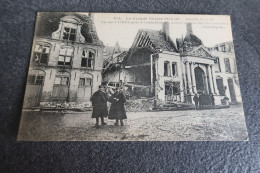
[87, 59]
[85, 82]
[174, 69]
[35, 79]
[172, 91]
[69, 34]
[65, 57]
[172, 88]
[217, 65]
[61, 80]
[166, 68]
[41, 53]
[220, 86]
[227, 65]
[223, 48]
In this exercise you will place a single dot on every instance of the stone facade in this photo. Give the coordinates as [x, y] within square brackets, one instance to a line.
[65, 66]
[226, 71]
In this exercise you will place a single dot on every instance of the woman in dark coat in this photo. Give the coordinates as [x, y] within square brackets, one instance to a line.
[117, 109]
[99, 103]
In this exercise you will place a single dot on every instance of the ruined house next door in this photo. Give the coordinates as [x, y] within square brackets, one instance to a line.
[34, 88]
[61, 87]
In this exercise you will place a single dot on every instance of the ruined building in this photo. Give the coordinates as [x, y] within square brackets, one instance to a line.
[113, 57]
[154, 67]
[66, 61]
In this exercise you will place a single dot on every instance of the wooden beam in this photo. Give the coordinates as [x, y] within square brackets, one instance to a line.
[139, 65]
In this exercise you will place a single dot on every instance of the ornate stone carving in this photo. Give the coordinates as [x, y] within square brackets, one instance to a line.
[70, 22]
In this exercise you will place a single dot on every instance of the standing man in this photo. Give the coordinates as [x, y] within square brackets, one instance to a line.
[196, 100]
[99, 103]
[202, 100]
[117, 109]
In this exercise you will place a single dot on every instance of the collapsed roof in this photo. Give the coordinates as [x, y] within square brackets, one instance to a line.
[114, 60]
[154, 40]
[145, 43]
[193, 40]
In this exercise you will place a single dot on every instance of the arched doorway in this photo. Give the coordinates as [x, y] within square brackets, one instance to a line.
[200, 80]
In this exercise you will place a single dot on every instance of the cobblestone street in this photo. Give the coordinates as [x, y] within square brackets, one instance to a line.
[202, 125]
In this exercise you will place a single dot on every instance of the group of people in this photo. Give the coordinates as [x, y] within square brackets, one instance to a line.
[117, 110]
[202, 100]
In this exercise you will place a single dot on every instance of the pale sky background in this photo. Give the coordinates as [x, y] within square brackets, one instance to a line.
[211, 29]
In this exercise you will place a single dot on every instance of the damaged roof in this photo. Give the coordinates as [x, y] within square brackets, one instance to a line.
[114, 60]
[145, 43]
[48, 22]
[117, 57]
[154, 39]
[193, 39]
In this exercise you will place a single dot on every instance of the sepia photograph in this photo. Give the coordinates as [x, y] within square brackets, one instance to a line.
[132, 77]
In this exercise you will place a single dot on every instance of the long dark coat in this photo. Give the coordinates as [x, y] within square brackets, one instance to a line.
[99, 103]
[117, 109]
[196, 99]
[202, 99]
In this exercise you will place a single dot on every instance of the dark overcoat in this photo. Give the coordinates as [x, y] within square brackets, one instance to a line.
[196, 99]
[202, 99]
[99, 103]
[117, 109]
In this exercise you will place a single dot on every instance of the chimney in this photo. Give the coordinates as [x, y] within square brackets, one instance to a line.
[166, 30]
[189, 29]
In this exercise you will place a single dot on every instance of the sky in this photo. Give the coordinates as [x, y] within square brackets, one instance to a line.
[122, 27]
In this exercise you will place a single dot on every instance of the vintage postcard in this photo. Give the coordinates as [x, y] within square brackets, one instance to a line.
[132, 77]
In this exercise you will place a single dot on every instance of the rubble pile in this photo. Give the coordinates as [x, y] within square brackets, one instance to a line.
[139, 105]
[65, 106]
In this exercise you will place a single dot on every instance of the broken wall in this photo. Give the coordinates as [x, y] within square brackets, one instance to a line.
[161, 78]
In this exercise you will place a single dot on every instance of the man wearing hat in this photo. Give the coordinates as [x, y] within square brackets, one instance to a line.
[99, 103]
[117, 109]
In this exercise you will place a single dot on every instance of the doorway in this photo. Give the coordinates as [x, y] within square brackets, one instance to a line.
[34, 88]
[172, 92]
[85, 89]
[200, 80]
[232, 90]
[220, 86]
[61, 87]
